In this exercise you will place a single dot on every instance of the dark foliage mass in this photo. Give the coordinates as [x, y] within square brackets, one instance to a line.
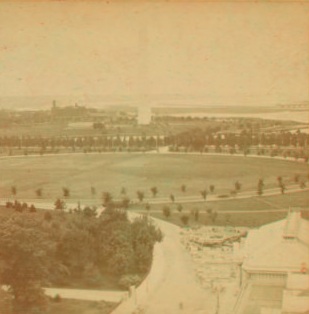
[37, 250]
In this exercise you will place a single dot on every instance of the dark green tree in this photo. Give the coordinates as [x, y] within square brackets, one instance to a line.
[260, 187]
[13, 190]
[66, 192]
[166, 211]
[140, 195]
[185, 219]
[25, 249]
[154, 191]
[204, 194]
[59, 204]
[39, 192]
[107, 198]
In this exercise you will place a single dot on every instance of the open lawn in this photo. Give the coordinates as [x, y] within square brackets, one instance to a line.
[243, 212]
[110, 172]
[250, 220]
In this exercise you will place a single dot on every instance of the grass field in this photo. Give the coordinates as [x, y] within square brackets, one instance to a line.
[110, 172]
[243, 212]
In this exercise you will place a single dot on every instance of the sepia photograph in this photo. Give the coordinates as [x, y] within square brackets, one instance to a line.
[154, 157]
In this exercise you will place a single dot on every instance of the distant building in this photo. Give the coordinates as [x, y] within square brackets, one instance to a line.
[69, 114]
[274, 273]
[144, 115]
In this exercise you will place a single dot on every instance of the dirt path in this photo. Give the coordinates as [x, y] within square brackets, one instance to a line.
[179, 291]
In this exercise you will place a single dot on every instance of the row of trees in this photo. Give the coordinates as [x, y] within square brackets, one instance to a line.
[107, 197]
[198, 139]
[36, 250]
[83, 142]
[184, 218]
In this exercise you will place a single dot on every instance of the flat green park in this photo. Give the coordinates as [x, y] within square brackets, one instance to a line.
[167, 172]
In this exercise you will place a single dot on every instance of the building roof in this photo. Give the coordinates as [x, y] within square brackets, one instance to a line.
[293, 303]
[279, 246]
[297, 281]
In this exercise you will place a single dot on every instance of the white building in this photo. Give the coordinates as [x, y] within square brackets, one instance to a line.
[274, 255]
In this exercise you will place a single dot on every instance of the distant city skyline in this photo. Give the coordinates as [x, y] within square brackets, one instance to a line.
[225, 53]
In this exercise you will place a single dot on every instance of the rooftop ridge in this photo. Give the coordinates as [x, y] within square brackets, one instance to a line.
[292, 223]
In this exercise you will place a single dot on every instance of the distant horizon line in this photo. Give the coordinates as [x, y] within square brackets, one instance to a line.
[166, 99]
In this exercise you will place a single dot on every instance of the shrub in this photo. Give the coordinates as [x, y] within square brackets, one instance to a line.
[24, 206]
[32, 209]
[209, 210]
[59, 204]
[90, 212]
[166, 211]
[237, 186]
[140, 195]
[126, 281]
[18, 207]
[57, 298]
[9, 205]
[93, 190]
[185, 219]
[38, 192]
[179, 208]
[172, 197]
[66, 192]
[14, 190]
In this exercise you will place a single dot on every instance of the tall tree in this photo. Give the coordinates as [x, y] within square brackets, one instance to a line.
[59, 204]
[183, 188]
[93, 191]
[107, 198]
[154, 191]
[140, 195]
[14, 190]
[66, 192]
[280, 181]
[260, 187]
[25, 249]
[237, 186]
[204, 194]
[39, 192]
[166, 211]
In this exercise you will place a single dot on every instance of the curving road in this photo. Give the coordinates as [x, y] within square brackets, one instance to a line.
[178, 291]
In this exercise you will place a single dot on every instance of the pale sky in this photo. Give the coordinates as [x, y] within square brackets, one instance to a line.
[220, 50]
